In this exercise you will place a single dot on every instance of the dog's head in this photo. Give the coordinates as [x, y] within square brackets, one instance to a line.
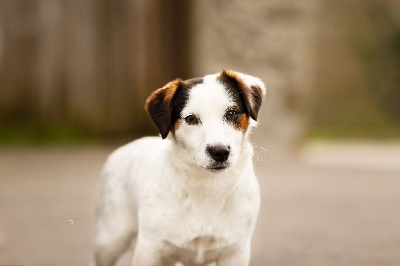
[208, 118]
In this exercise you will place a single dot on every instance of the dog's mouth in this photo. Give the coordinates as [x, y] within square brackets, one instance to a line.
[217, 168]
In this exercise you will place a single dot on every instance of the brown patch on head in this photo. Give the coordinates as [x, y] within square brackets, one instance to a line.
[231, 74]
[158, 106]
[171, 88]
[232, 78]
[250, 97]
[177, 124]
[165, 105]
[256, 98]
[242, 122]
[192, 82]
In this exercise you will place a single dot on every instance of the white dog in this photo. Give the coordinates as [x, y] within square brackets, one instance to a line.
[190, 197]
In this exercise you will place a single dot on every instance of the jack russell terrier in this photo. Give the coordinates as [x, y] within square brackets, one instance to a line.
[190, 196]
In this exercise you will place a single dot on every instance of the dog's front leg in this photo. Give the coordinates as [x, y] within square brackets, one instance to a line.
[148, 253]
[239, 255]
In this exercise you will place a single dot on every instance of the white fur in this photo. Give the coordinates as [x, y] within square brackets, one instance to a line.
[209, 102]
[161, 194]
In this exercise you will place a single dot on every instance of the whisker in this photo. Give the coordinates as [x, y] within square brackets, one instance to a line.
[258, 158]
[262, 148]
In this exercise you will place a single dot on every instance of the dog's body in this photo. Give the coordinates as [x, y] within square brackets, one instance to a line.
[192, 197]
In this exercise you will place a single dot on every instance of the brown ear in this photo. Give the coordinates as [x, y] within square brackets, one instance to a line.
[250, 89]
[158, 106]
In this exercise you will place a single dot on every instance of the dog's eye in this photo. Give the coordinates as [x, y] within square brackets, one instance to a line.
[231, 115]
[191, 120]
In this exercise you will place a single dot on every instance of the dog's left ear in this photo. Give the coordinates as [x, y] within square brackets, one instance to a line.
[158, 106]
[250, 89]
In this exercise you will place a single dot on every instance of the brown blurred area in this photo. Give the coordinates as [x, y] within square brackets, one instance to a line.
[74, 76]
[88, 66]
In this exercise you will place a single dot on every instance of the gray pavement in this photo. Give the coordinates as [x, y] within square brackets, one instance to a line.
[334, 204]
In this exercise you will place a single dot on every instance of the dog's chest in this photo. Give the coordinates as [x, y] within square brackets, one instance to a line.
[198, 230]
[208, 222]
[198, 225]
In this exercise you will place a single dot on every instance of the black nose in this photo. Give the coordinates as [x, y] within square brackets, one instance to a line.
[219, 153]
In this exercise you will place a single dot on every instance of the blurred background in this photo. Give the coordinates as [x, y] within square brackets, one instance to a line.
[74, 76]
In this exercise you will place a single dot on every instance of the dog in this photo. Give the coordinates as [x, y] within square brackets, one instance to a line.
[190, 196]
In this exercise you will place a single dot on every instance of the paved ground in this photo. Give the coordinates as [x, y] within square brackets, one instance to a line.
[334, 205]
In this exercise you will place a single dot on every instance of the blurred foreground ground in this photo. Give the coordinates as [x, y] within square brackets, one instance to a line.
[335, 204]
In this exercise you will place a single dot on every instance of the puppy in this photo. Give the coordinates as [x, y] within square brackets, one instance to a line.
[191, 196]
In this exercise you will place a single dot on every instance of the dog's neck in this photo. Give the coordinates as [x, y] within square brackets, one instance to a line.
[204, 182]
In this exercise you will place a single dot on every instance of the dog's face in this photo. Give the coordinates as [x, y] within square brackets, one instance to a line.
[209, 117]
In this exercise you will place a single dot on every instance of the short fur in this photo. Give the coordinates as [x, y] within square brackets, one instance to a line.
[191, 196]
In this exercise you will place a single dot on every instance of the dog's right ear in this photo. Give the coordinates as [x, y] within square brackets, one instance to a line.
[158, 106]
